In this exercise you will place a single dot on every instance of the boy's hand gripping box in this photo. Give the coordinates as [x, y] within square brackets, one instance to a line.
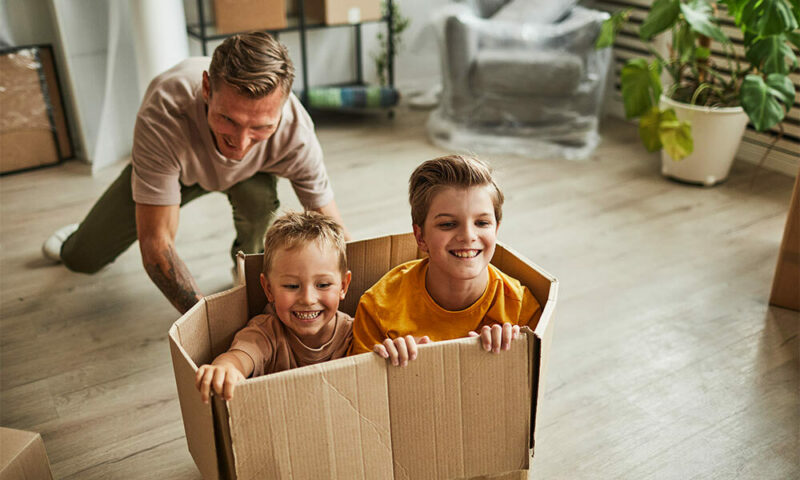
[455, 412]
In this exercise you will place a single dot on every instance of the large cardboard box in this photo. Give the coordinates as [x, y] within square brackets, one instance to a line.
[22, 456]
[337, 12]
[455, 412]
[33, 125]
[234, 16]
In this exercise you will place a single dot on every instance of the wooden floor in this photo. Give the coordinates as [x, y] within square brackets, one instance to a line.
[666, 361]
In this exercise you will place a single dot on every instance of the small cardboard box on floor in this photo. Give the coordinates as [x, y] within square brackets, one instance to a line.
[455, 412]
[22, 456]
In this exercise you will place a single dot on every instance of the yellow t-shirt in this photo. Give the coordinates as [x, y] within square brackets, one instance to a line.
[400, 305]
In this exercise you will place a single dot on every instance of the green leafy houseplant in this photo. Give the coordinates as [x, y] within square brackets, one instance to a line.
[758, 81]
[399, 25]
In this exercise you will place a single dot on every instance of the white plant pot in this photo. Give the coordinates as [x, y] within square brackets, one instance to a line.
[716, 133]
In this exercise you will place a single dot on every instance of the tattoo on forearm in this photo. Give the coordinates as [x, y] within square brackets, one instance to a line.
[171, 276]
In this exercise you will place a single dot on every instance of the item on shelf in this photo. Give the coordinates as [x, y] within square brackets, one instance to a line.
[399, 24]
[337, 12]
[358, 97]
[33, 127]
[232, 16]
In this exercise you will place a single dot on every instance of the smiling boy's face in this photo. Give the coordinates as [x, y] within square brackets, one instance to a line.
[305, 286]
[459, 234]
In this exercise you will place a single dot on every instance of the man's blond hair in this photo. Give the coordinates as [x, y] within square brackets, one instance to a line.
[295, 229]
[255, 64]
[459, 171]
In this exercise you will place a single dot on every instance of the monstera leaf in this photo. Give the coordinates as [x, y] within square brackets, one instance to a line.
[762, 100]
[610, 27]
[641, 86]
[648, 129]
[662, 16]
[675, 135]
[764, 17]
[698, 14]
[772, 54]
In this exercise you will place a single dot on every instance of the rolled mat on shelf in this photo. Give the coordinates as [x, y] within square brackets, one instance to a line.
[353, 97]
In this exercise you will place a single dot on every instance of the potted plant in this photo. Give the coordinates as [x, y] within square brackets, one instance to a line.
[698, 121]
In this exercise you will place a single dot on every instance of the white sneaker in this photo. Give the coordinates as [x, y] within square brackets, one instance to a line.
[51, 248]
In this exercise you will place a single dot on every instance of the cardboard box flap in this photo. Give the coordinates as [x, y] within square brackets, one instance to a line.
[190, 344]
[528, 273]
[370, 259]
[543, 337]
[545, 288]
[459, 412]
[226, 314]
[249, 269]
[329, 420]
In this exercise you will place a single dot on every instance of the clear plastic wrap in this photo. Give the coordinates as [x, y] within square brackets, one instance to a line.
[512, 84]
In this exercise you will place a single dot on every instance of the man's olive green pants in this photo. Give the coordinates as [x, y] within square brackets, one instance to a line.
[110, 227]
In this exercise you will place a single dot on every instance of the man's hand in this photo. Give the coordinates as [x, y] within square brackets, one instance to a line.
[156, 227]
[400, 350]
[332, 211]
[496, 337]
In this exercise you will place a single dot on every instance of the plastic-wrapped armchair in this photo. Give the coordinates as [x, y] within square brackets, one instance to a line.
[520, 76]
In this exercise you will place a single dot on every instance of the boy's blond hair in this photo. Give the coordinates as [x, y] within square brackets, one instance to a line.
[301, 228]
[255, 64]
[460, 171]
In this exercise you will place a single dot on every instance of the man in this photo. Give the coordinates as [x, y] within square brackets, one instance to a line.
[231, 129]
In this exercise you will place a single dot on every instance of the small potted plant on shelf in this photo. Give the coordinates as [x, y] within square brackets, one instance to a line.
[699, 119]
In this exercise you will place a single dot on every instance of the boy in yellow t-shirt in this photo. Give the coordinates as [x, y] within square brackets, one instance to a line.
[456, 209]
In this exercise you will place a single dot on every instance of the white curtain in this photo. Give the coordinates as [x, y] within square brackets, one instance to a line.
[113, 49]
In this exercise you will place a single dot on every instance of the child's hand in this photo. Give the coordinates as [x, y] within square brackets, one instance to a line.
[401, 349]
[222, 378]
[496, 337]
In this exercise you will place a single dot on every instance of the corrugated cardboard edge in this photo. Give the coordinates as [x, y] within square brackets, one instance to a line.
[198, 420]
[29, 461]
[543, 338]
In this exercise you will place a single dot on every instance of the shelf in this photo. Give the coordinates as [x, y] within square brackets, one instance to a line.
[293, 26]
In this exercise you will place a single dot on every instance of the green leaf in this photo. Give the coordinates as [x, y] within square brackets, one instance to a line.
[794, 37]
[648, 129]
[782, 88]
[675, 135]
[610, 27]
[683, 43]
[760, 101]
[776, 17]
[698, 15]
[663, 14]
[772, 54]
[702, 53]
[639, 80]
[735, 8]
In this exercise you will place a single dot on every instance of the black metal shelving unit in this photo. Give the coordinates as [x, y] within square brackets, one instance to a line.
[200, 32]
